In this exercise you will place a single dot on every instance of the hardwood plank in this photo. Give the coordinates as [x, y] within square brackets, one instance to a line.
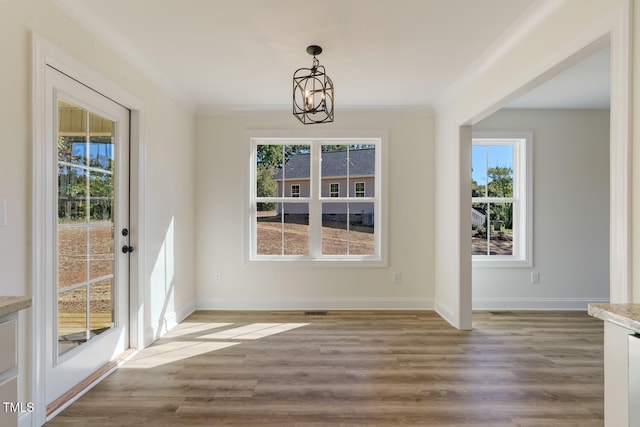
[359, 368]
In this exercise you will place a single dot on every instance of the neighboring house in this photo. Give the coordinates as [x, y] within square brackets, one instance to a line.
[354, 179]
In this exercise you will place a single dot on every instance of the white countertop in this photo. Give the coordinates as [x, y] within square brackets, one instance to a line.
[11, 304]
[625, 315]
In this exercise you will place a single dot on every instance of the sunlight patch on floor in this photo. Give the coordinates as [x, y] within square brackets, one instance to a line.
[186, 328]
[162, 353]
[253, 332]
[174, 351]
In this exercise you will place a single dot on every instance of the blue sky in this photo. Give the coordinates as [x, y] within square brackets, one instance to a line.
[100, 153]
[488, 156]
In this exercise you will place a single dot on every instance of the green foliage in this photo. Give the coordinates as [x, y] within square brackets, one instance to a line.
[277, 155]
[72, 194]
[266, 186]
[269, 155]
[500, 182]
[500, 185]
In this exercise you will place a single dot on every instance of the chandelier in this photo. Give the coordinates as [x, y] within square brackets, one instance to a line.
[313, 92]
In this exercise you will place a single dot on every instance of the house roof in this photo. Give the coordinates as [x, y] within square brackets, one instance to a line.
[334, 164]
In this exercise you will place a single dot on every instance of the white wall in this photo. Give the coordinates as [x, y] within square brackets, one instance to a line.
[170, 150]
[554, 32]
[635, 165]
[570, 213]
[222, 166]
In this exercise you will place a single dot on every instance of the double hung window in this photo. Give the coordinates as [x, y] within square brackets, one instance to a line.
[501, 200]
[301, 206]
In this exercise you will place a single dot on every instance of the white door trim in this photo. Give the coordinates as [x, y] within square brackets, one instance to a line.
[46, 53]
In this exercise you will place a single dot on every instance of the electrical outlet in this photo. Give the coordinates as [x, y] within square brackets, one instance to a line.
[535, 277]
[217, 277]
[397, 277]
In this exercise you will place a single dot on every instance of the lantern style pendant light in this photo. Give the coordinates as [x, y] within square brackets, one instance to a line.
[313, 92]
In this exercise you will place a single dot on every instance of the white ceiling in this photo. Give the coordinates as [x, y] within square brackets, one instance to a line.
[585, 85]
[239, 54]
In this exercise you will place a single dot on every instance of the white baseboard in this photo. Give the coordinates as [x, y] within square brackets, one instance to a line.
[25, 420]
[567, 304]
[445, 313]
[317, 304]
[168, 322]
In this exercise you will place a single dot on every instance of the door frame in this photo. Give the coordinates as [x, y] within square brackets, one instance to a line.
[44, 53]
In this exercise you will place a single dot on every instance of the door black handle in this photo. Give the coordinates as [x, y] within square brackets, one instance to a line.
[126, 249]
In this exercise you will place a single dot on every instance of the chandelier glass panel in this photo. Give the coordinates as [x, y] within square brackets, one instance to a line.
[313, 92]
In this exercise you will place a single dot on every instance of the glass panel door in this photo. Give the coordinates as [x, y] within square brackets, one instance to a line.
[85, 225]
[87, 292]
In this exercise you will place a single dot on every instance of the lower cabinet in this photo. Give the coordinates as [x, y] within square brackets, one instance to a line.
[634, 380]
[8, 372]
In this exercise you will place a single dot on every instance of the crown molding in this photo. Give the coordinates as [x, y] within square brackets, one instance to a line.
[347, 110]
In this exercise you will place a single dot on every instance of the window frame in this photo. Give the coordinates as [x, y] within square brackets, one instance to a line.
[522, 143]
[315, 199]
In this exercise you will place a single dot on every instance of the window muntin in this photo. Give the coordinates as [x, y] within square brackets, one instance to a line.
[320, 222]
[501, 201]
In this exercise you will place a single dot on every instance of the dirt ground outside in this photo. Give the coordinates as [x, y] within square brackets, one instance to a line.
[75, 267]
[336, 239]
[501, 243]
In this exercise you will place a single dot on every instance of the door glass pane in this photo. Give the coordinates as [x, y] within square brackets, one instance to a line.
[72, 194]
[101, 249]
[101, 145]
[72, 319]
[101, 197]
[101, 306]
[72, 134]
[72, 256]
[86, 241]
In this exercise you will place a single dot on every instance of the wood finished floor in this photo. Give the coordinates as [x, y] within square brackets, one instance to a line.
[358, 368]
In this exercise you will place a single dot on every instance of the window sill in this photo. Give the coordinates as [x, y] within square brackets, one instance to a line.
[501, 262]
[322, 263]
